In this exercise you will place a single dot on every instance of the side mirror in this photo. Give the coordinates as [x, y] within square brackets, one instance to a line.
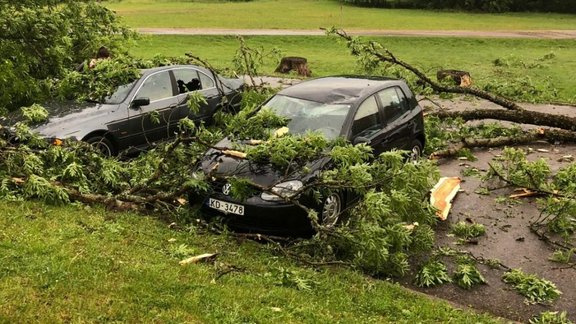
[139, 102]
[360, 140]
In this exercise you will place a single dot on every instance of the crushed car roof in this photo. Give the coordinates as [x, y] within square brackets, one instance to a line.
[337, 89]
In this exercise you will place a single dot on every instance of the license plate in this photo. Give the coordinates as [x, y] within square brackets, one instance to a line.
[226, 207]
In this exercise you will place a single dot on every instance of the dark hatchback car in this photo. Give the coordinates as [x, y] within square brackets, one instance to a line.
[380, 112]
[122, 121]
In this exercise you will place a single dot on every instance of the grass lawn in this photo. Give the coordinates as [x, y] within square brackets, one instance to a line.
[77, 264]
[306, 14]
[543, 64]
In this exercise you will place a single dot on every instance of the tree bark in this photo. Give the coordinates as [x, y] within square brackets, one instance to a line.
[550, 135]
[298, 64]
[460, 78]
[521, 116]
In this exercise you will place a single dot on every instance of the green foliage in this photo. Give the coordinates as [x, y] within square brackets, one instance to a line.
[432, 273]
[562, 256]
[41, 41]
[35, 114]
[292, 279]
[524, 89]
[515, 167]
[241, 188]
[195, 101]
[288, 151]
[468, 231]
[249, 60]
[514, 61]
[377, 237]
[467, 276]
[248, 124]
[536, 290]
[440, 133]
[101, 81]
[560, 206]
[551, 318]
[38, 187]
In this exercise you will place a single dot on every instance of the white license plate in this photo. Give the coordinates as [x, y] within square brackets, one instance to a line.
[226, 207]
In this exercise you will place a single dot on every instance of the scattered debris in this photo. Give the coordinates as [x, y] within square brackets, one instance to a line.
[234, 153]
[411, 227]
[566, 158]
[206, 257]
[443, 193]
[254, 142]
[281, 131]
[524, 192]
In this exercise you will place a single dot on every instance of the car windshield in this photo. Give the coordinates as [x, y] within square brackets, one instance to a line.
[306, 115]
[120, 94]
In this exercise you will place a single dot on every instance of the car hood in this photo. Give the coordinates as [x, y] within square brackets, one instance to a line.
[217, 164]
[65, 119]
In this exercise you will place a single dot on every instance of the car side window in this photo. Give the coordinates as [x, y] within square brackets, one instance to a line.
[206, 81]
[187, 80]
[157, 86]
[367, 120]
[394, 102]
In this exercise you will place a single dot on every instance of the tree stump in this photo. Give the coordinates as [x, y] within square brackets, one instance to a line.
[294, 63]
[461, 78]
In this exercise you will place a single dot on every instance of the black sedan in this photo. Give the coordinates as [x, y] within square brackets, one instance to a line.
[380, 112]
[124, 120]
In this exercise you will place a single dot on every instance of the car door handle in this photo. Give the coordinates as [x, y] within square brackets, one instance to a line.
[173, 106]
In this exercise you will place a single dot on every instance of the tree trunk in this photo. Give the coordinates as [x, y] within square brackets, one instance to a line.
[550, 135]
[298, 64]
[518, 116]
[460, 78]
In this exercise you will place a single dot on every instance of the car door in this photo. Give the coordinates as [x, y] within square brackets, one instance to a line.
[149, 123]
[190, 80]
[397, 128]
[367, 125]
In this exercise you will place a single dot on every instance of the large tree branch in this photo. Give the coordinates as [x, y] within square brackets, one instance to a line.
[384, 55]
[522, 117]
[550, 135]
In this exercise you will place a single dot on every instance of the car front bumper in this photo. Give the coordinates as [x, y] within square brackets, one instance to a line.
[260, 216]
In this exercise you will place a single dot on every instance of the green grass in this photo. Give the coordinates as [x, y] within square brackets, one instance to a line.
[329, 56]
[79, 264]
[306, 14]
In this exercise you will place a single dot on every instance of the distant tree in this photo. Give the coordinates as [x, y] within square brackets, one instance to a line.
[41, 39]
[564, 6]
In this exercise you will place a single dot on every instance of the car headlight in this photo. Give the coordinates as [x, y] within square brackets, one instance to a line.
[282, 190]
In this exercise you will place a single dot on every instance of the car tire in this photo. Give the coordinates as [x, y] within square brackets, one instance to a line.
[415, 151]
[102, 145]
[331, 209]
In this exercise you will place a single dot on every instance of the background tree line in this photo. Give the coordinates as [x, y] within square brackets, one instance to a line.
[565, 6]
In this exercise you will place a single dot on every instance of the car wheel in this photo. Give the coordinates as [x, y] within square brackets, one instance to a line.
[102, 145]
[331, 210]
[415, 151]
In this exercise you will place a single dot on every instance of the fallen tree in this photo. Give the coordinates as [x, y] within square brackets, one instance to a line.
[563, 128]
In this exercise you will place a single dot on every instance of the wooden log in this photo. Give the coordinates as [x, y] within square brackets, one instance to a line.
[550, 135]
[294, 63]
[521, 117]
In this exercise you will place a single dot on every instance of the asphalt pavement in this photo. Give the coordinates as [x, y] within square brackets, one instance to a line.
[538, 34]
